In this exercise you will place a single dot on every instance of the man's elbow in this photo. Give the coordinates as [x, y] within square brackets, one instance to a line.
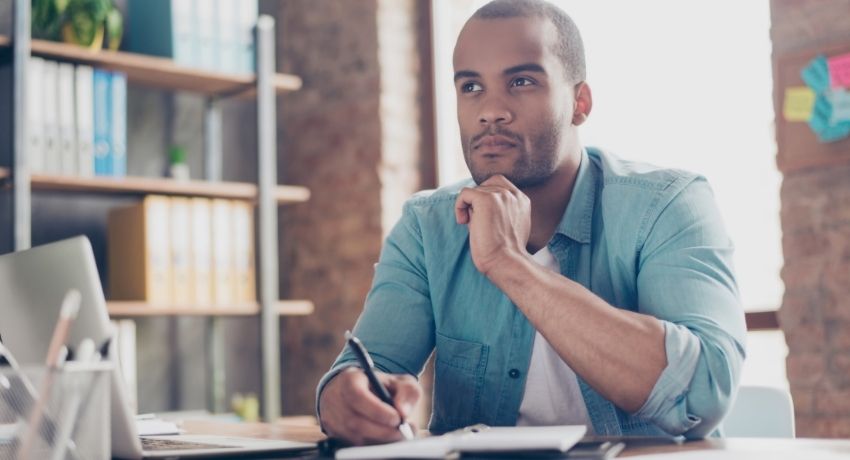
[701, 407]
[709, 419]
[693, 416]
[714, 385]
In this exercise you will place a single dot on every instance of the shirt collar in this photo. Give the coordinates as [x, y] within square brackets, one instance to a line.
[578, 218]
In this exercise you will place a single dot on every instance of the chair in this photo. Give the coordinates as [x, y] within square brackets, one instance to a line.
[760, 412]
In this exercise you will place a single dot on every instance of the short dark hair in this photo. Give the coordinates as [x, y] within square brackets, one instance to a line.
[569, 47]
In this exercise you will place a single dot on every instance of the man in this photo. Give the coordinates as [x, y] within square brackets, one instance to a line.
[565, 286]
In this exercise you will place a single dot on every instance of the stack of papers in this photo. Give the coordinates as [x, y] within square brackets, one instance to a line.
[149, 426]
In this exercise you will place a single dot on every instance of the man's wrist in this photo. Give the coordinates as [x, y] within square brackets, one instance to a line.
[323, 385]
[510, 266]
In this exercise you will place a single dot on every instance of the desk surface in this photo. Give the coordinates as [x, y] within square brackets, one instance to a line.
[736, 447]
[752, 448]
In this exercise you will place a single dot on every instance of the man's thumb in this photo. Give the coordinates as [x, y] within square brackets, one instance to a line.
[406, 394]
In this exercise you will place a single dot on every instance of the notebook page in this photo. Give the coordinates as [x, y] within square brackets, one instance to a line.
[496, 439]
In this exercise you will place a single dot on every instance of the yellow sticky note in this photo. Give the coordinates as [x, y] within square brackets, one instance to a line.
[799, 101]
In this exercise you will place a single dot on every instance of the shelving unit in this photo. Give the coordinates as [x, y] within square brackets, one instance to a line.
[127, 309]
[159, 72]
[284, 194]
[266, 193]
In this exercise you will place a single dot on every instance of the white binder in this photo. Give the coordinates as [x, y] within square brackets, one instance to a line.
[67, 126]
[35, 114]
[50, 110]
[84, 99]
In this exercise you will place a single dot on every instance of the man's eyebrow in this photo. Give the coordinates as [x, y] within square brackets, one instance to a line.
[530, 67]
[466, 74]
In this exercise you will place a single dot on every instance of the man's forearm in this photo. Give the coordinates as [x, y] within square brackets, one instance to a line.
[619, 353]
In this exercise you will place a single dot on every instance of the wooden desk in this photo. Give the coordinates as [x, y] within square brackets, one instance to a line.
[737, 448]
[756, 448]
[304, 432]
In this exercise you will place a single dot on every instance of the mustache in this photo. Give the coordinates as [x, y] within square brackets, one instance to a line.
[495, 130]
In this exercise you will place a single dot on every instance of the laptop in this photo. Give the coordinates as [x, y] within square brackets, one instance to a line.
[33, 283]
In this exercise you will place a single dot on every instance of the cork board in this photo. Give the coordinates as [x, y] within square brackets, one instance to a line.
[798, 147]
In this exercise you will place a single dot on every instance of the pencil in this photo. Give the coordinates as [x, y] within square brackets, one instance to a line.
[67, 314]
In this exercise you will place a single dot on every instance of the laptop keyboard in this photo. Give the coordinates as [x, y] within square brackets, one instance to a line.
[150, 444]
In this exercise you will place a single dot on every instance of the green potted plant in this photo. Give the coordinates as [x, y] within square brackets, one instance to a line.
[81, 22]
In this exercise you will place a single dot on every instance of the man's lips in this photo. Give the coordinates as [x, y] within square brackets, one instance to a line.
[493, 144]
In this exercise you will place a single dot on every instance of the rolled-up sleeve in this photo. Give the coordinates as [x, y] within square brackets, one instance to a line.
[686, 279]
[397, 322]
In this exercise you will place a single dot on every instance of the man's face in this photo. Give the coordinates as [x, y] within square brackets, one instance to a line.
[514, 102]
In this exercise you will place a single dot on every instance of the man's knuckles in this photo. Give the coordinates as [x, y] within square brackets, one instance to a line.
[352, 425]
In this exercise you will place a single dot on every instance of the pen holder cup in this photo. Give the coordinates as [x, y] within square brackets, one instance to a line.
[55, 414]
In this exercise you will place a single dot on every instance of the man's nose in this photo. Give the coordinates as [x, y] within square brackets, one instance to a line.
[495, 111]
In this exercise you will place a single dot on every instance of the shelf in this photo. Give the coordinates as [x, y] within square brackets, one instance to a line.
[762, 320]
[159, 72]
[143, 185]
[132, 309]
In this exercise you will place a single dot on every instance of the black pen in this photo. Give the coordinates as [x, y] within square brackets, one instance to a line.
[368, 366]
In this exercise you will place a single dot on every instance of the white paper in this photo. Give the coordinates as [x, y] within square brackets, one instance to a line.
[496, 439]
[155, 427]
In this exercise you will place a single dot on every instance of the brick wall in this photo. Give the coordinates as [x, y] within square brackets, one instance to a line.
[354, 136]
[815, 313]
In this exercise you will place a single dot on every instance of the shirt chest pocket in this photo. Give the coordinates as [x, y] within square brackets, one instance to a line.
[459, 366]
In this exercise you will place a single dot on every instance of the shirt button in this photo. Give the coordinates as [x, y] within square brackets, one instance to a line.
[513, 373]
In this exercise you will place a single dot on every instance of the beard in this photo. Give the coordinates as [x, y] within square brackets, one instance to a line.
[535, 163]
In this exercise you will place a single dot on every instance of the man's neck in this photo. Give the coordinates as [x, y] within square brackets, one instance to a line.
[549, 202]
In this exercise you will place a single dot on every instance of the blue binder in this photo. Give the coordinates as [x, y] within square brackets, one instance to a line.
[118, 128]
[102, 117]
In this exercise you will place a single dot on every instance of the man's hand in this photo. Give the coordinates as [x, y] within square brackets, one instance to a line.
[499, 218]
[350, 410]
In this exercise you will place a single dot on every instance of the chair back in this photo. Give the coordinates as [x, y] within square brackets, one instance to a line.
[760, 412]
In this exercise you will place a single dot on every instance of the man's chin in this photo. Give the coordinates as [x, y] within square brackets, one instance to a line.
[520, 181]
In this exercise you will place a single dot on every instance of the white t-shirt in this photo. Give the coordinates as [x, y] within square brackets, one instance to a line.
[552, 394]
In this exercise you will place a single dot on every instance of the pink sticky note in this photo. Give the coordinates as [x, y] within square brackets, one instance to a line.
[839, 71]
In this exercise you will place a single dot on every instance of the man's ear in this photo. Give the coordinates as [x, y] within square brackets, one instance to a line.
[583, 103]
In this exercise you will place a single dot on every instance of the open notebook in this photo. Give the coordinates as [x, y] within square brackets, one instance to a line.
[475, 439]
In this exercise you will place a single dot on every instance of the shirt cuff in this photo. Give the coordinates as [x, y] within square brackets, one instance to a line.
[325, 380]
[666, 406]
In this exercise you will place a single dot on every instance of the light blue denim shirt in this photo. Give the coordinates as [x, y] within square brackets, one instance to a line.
[644, 239]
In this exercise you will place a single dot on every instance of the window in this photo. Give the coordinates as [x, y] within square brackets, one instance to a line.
[690, 88]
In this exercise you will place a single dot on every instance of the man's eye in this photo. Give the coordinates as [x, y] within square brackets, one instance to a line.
[470, 87]
[522, 81]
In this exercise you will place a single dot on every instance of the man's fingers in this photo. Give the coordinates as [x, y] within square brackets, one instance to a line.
[367, 413]
[497, 186]
[406, 393]
[377, 421]
[463, 205]
[361, 400]
[350, 410]
[358, 429]
[501, 181]
[364, 431]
